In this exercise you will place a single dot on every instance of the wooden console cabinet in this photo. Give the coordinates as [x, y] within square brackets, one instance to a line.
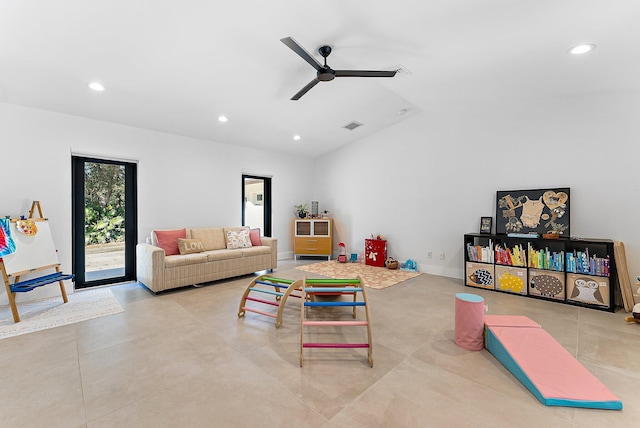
[312, 237]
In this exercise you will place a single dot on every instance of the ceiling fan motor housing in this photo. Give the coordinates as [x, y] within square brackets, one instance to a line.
[326, 74]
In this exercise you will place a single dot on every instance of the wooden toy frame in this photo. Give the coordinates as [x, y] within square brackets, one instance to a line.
[313, 287]
[269, 286]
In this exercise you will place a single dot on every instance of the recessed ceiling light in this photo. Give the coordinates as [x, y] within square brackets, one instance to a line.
[223, 118]
[296, 137]
[581, 49]
[97, 86]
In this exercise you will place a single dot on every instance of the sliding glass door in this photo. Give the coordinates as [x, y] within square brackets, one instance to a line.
[104, 221]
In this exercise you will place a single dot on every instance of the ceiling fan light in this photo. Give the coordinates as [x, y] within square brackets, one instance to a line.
[222, 118]
[581, 49]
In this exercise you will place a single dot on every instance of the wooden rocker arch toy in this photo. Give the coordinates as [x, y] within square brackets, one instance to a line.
[266, 285]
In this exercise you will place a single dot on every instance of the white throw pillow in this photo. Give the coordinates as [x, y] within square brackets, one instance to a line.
[238, 239]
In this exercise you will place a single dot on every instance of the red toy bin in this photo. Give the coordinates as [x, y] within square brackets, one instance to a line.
[375, 252]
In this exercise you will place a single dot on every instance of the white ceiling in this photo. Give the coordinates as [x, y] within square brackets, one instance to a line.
[174, 66]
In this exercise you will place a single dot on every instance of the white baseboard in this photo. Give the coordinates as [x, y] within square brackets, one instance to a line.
[287, 255]
[441, 271]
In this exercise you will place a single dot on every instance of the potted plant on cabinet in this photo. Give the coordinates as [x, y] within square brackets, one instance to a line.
[302, 210]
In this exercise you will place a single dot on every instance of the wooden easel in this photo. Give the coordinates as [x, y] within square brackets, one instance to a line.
[12, 281]
[35, 204]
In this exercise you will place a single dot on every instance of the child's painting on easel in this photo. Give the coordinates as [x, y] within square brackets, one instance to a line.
[7, 246]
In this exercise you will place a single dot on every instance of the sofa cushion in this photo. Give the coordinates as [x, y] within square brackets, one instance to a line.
[214, 256]
[256, 251]
[190, 246]
[238, 239]
[212, 237]
[168, 240]
[185, 260]
[254, 235]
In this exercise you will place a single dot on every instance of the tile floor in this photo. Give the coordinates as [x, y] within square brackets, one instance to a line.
[184, 359]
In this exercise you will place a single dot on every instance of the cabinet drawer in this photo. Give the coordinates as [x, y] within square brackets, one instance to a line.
[312, 246]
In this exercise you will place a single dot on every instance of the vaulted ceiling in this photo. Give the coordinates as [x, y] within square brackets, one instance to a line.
[176, 66]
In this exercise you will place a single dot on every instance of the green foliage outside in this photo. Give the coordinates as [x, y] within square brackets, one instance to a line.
[104, 203]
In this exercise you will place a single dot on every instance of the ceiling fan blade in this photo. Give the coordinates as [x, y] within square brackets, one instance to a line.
[289, 41]
[364, 73]
[306, 89]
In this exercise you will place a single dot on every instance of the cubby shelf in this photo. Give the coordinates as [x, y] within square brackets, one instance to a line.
[578, 272]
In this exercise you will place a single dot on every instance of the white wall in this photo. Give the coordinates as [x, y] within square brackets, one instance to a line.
[181, 181]
[422, 183]
[426, 181]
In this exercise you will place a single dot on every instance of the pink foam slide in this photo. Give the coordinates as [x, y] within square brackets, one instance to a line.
[544, 366]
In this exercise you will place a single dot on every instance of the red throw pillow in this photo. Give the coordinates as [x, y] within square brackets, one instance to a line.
[254, 235]
[168, 240]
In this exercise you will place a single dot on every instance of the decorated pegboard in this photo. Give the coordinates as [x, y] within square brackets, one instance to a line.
[541, 211]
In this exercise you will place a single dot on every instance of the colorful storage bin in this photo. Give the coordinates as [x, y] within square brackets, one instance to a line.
[480, 275]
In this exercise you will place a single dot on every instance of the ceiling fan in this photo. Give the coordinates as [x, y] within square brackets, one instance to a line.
[324, 72]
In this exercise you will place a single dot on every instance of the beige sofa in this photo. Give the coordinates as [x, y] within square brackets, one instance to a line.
[159, 272]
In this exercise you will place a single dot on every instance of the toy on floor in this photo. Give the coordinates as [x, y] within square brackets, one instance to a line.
[320, 287]
[636, 314]
[544, 366]
[410, 265]
[342, 253]
[391, 263]
[266, 285]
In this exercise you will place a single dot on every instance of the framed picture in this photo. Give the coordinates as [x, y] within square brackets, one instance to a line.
[485, 224]
[540, 211]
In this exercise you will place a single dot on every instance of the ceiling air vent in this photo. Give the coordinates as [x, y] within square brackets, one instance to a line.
[353, 125]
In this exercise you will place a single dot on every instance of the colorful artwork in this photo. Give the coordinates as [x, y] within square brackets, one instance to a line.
[7, 246]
